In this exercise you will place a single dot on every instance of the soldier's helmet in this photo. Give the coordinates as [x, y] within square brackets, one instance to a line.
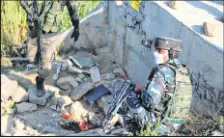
[168, 44]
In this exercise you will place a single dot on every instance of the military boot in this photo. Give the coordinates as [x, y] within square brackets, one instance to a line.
[40, 86]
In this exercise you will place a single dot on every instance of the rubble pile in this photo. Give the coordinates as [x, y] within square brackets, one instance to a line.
[77, 100]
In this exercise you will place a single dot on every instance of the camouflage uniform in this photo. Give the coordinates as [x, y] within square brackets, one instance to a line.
[49, 14]
[156, 100]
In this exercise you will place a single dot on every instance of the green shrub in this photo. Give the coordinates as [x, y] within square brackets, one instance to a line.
[14, 26]
[148, 131]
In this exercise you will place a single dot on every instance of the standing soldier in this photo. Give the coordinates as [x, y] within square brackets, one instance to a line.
[43, 18]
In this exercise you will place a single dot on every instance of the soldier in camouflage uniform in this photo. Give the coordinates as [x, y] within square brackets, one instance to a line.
[49, 12]
[154, 102]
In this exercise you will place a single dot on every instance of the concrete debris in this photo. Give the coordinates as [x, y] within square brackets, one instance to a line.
[81, 76]
[82, 62]
[58, 69]
[118, 71]
[217, 133]
[95, 74]
[174, 4]
[26, 107]
[33, 98]
[78, 110]
[53, 107]
[19, 124]
[8, 87]
[78, 79]
[20, 95]
[81, 90]
[67, 80]
[64, 101]
[121, 131]
[109, 76]
[6, 123]
[212, 29]
[103, 102]
[10, 111]
[96, 119]
[66, 64]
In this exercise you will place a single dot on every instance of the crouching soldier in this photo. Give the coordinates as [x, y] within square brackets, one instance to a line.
[41, 47]
[154, 103]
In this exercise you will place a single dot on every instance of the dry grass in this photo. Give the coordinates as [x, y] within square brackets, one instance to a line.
[197, 125]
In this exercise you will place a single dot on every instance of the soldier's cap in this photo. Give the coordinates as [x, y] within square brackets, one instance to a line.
[168, 43]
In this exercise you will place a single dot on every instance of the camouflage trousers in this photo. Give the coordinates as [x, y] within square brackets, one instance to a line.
[48, 53]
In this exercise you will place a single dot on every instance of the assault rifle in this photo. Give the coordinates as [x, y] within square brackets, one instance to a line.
[118, 98]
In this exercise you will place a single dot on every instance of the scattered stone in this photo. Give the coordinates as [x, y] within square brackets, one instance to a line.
[6, 123]
[212, 29]
[81, 90]
[95, 74]
[26, 107]
[39, 126]
[37, 100]
[85, 79]
[78, 110]
[7, 134]
[58, 109]
[52, 89]
[19, 133]
[19, 124]
[54, 115]
[78, 79]
[64, 101]
[174, 4]
[67, 80]
[66, 64]
[217, 133]
[8, 87]
[82, 62]
[119, 131]
[10, 111]
[104, 50]
[109, 76]
[20, 95]
[81, 76]
[103, 102]
[118, 71]
[53, 107]
[96, 119]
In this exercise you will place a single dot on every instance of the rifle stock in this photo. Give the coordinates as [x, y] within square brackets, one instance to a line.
[118, 98]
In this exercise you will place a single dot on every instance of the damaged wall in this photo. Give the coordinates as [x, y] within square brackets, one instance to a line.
[203, 59]
[115, 24]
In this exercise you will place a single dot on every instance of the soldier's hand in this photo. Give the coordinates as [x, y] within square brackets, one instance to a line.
[75, 34]
[139, 88]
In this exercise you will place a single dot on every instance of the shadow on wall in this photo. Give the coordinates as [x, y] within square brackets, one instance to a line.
[203, 6]
[198, 29]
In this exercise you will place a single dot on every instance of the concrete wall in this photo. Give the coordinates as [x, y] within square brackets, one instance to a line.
[203, 59]
[116, 24]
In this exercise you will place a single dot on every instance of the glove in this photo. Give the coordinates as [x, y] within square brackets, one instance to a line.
[139, 88]
[75, 34]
